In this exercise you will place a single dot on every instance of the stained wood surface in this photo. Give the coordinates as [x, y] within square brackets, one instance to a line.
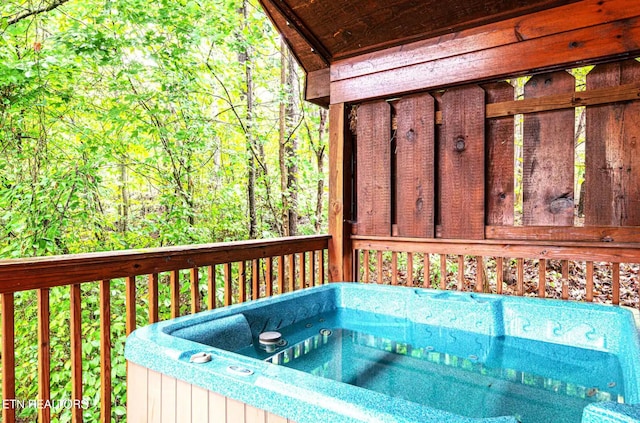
[174, 293]
[75, 333]
[44, 354]
[7, 319]
[603, 41]
[461, 164]
[548, 156]
[105, 349]
[415, 183]
[499, 144]
[152, 287]
[25, 274]
[612, 176]
[565, 233]
[374, 169]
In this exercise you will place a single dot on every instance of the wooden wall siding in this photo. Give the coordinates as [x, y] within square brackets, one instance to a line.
[415, 166]
[500, 158]
[374, 168]
[548, 155]
[461, 164]
[612, 194]
[153, 397]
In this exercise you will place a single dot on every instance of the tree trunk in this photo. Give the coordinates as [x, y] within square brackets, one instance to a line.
[319, 151]
[283, 140]
[290, 148]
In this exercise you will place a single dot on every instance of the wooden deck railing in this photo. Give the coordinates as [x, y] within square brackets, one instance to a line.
[585, 271]
[234, 272]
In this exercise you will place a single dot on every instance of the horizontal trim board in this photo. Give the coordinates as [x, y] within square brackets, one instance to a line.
[557, 51]
[557, 250]
[624, 234]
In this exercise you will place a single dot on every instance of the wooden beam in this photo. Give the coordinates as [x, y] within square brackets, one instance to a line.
[340, 255]
[317, 87]
[599, 42]
[620, 234]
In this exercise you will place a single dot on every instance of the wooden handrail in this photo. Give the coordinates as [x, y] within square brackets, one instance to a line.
[46, 272]
[249, 258]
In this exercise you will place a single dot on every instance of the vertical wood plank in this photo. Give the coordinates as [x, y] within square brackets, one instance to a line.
[358, 264]
[281, 275]
[520, 280]
[303, 269]
[269, 277]
[612, 154]
[217, 408]
[565, 279]
[443, 271]
[273, 418]
[410, 269]
[194, 279]
[500, 158]
[461, 280]
[255, 279]
[461, 170]
[374, 169]
[427, 271]
[415, 171]
[75, 332]
[153, 298]
[211, 287]
[589, 282]
[242, 281]
[200, 414]
[480, 274]
[183, 399]
[168, 403]
[8, 355]
[499, 274]
[367, 276]
[254, 415]
[340, 161]
[228, 289]
[548, 155]
[313, 265]
[321, 269]
[44, 354]
[291, 259]
[542, 278]
[174, 288]
[615, 282]
[379, 266]
[130, 304]
[394, 268]
[235, 411]
[154, 397]
[136, 393]
[105, 350]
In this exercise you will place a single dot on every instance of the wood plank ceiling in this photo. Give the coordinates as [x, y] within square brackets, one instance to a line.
[321, 32]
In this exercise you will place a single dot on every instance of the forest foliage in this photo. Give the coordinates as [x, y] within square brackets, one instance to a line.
[143, 123]
[137, 123]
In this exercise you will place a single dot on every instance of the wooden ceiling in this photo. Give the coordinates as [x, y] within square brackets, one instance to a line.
[321, 32]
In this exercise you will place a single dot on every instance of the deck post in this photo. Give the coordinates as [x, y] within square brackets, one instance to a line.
[340, 254]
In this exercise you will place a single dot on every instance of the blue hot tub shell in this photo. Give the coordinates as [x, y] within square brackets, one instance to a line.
[167, 347]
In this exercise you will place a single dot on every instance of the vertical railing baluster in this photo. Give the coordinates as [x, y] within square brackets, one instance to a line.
[461, 281]
[313, 268]
[154, 315]
[228, 287]
[615, 282]
[281, 274]
[367, 276]
[379, 265]
[443, 271]
[174, 292]
[255, 279]
[242, 282]
[269, 277]
[394, 268]
[105, 346]
[589, 282]
[130, 304]
[291, 258]
[75, 332]
[8, 356]
[44, 354]
[520, 281]
[303, 270]
[565, 279]
[321, 269]
[194, 279]
[211, 286]
[427, 271]
[480, 274]
[409, 269]
[499, 274]
[542, 278]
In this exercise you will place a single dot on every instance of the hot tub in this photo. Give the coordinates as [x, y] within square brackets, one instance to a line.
[351, 352]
